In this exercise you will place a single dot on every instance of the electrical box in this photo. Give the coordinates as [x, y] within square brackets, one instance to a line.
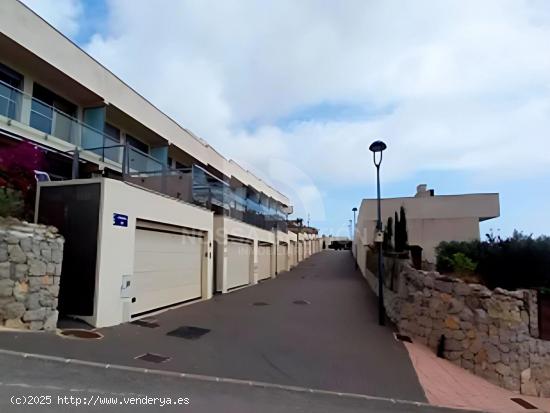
[379, 236]
[126, 287]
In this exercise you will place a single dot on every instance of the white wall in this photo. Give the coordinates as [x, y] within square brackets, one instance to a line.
[115, 256]
[430, 220]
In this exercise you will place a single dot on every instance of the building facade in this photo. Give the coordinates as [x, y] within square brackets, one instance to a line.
[168, 218]
[431, 219]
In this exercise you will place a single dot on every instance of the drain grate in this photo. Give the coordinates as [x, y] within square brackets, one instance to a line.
[153, 358]
[260, 303]
[146, 322]
[188, 332]
[301, 302]
[402, 337]
[79, 333]
[524, 403]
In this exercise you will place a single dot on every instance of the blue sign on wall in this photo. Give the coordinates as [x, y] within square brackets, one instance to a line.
[120, 220]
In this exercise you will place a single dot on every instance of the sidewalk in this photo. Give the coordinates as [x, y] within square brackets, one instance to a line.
[446, 384]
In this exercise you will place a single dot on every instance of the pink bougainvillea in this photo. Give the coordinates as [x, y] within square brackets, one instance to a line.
[17, 166]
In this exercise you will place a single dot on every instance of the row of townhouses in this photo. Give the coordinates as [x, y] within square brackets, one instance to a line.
[152, 215]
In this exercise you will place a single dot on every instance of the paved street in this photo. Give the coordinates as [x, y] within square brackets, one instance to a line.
[20, 379]
[331, 342]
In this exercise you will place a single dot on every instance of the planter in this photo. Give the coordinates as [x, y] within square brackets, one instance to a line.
[544, 316]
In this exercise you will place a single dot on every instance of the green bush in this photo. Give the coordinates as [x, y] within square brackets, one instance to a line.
[11, 202]
[520, 261]
[462, 264]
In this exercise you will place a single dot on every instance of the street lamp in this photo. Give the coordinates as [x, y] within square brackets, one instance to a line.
[379, 147]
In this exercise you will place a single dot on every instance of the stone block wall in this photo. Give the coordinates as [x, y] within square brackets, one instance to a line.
[492, 333]
[30, 267]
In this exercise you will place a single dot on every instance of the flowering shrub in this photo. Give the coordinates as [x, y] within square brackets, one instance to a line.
[17, 180]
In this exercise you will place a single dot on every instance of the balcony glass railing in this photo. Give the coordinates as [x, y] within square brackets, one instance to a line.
[23, 108]
[194, 185]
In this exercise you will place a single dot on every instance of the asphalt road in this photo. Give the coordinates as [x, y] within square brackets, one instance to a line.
[64, 387]
[331, 342]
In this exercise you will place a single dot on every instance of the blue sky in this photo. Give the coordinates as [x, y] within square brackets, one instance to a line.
[297, 91]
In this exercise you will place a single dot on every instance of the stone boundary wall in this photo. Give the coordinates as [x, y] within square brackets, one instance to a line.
[492, 333]
[30, 268]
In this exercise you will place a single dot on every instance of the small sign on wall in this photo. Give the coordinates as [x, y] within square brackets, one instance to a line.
[120, 220]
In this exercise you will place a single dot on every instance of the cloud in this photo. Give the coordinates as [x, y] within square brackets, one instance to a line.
[64, 15]
[455, 85]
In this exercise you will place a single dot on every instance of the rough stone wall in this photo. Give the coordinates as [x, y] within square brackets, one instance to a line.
[30, 268]
[491, 333]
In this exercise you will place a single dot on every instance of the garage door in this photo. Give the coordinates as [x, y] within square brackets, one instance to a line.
[264, 262]
[167, 268]
[300, 250]
[239, 256]
[282, 258]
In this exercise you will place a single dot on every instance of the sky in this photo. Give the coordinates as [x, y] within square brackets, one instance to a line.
[296, 92]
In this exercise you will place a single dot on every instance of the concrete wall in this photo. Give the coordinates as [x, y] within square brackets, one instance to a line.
[430, 220]
[115, 256]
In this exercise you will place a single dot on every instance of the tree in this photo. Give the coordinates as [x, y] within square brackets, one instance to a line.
[388, 234]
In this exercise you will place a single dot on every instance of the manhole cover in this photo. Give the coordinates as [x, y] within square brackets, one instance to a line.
[260, 303]
[402, 337]
[144, 322]
[153, 358]
[301, 302]
[188, 332]
[78, 333]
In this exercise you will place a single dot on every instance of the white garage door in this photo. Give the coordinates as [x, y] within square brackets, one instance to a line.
[167, 269]
[264, 261]
[239, 256]
[282, 258]
[300, 250]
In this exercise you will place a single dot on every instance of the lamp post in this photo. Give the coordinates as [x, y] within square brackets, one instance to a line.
[379, 147]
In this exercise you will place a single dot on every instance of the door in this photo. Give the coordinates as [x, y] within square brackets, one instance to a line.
[74, 211]
[282, 258]
[239, 258]
[167, 268]
[264, 262]
[300, 250]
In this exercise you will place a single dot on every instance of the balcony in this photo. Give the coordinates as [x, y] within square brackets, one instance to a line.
[194, 185]
[18, 106]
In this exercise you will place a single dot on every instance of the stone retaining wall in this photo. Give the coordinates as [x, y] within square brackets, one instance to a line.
[491, 333]
[30, 268]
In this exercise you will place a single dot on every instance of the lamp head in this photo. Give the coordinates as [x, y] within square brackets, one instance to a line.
[377, 146]
[354, 209]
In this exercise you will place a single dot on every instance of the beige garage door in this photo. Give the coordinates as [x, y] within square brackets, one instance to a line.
[167, 269]
[239, 256]
[264, 261]
[300, 250]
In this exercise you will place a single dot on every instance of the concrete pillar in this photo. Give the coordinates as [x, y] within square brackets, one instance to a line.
[254, 263]
[26, 101]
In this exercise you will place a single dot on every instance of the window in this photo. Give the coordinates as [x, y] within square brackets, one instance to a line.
[10, 97]
[112, 132]
[52, 114]
[135, 143]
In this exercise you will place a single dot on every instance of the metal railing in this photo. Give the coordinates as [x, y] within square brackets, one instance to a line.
[194, 185]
